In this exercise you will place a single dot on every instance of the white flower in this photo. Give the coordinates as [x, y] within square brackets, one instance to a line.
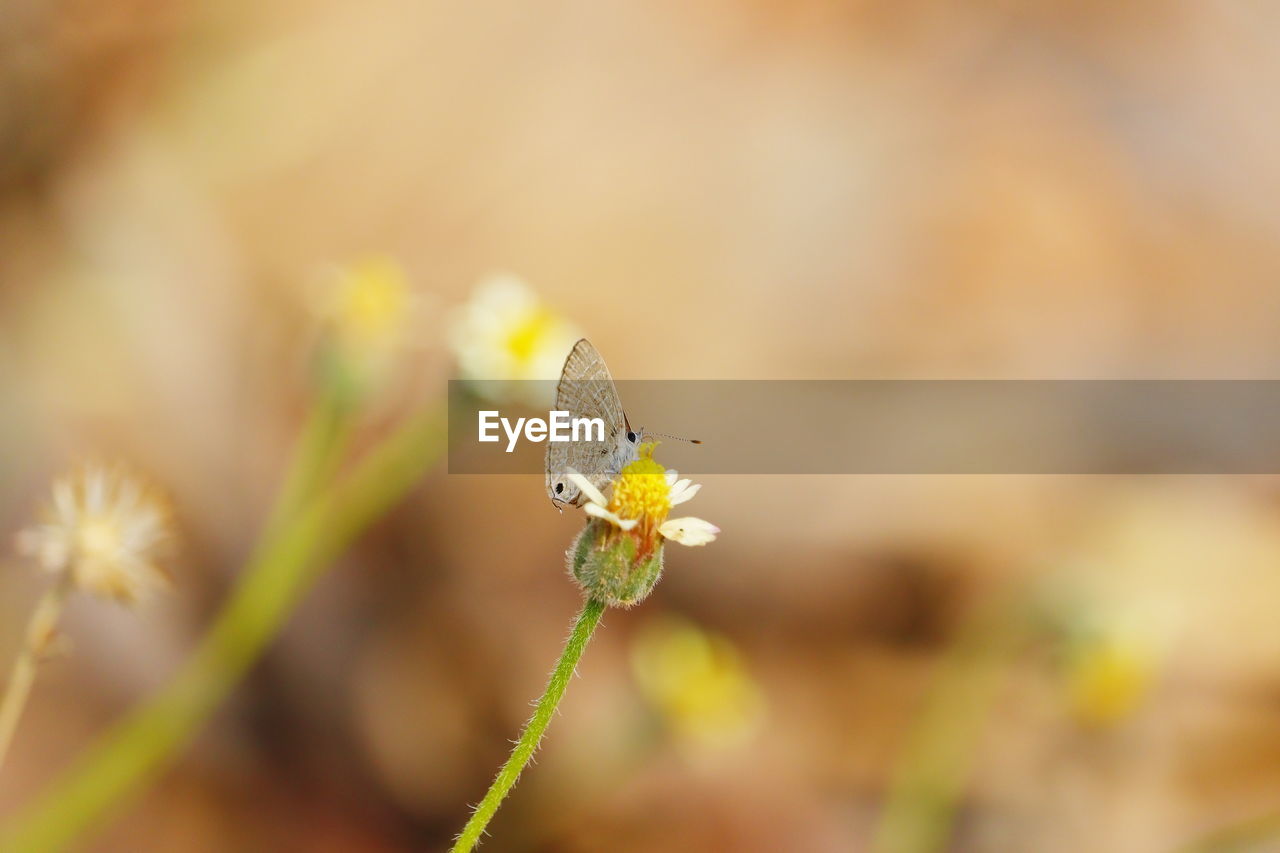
[505, 335]
[106, 530]
[643, 496]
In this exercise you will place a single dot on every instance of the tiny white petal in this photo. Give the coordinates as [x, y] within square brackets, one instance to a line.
[600, 512]
[672, 476]
[588, 489]
[684, 491]
[689, 531]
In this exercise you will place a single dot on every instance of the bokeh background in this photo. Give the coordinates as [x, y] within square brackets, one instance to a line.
[718, 190]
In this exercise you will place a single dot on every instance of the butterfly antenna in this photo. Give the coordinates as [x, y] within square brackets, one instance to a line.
[673, 437]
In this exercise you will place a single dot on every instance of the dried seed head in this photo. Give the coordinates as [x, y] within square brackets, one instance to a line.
[106, 530]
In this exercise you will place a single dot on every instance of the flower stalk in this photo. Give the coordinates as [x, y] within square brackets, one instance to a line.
[1250, 834]
[616, 560]
[583, 628]
[929, 781]
[41, 631]
[132, 752]
[321, 449]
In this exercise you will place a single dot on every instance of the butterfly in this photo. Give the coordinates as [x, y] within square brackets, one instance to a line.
[586, 390]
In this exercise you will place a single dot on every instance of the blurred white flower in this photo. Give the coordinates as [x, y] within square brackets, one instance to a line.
[506, 334]
[106, 530]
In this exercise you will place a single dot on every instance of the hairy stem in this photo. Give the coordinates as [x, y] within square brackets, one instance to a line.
[583, 628]
[40, 630]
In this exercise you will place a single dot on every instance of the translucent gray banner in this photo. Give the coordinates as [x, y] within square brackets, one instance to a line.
[908, 426]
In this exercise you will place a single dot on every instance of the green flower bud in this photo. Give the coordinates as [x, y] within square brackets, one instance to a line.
[604, 563]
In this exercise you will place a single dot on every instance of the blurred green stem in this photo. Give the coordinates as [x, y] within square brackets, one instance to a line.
[583, 628]
[933, 771]
[280, 572]
[41, 628]
[1257, 834]
[320, 452]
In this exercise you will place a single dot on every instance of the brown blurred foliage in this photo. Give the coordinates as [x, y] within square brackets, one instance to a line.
[740, 190]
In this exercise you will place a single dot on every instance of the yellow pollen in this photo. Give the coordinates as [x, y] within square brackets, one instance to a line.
[1108, 683]
[642, 491]
[374, 301]
[525, 337]
[99, 539]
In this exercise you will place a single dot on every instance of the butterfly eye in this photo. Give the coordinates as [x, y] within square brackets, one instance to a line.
[631, 436]
[559, 488]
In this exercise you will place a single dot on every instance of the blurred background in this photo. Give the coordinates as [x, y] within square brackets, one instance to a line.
[719, 190]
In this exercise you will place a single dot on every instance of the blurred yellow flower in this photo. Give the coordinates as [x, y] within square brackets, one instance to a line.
[506, 334]
[697, 681]
[366, 310]
[1109, 673]
[106, 531]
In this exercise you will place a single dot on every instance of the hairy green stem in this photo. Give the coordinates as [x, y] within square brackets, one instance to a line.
[137, 747]
[583, 628]
[41, 627]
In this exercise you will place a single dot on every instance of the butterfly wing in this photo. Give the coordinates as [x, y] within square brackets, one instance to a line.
[586, 390]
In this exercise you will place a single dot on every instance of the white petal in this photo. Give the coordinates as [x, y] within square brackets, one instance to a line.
[683, 491]
[600, 512]
[689, 531]
[672, 476]
[587, 488]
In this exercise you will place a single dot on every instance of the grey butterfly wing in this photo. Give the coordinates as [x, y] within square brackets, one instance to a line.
[586, 390]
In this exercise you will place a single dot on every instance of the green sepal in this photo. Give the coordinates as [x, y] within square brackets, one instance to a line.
[603, 563]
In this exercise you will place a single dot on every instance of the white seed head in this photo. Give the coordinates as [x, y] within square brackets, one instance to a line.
[106, 531]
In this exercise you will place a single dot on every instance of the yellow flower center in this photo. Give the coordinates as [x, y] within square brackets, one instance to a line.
[1108, 682]
[641, 491]
[99, 538]
[373, 303]
[98, 567]
[525, 337]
